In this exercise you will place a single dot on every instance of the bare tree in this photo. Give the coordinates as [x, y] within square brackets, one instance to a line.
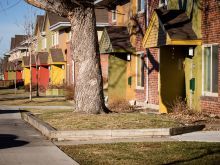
[28, 27]
[89, 95]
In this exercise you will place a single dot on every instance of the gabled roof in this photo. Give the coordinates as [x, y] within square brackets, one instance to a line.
[170, 27]
[17, 40]
[39, 23]
[42, 58]
[57, 55]
[57, 22]
[115, 39]
[176, 23]
[26, 60]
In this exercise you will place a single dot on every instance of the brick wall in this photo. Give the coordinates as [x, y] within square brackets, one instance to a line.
[210, 35]
[153, 65]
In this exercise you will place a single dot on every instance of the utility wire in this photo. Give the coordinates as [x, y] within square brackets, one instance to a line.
[9, 7]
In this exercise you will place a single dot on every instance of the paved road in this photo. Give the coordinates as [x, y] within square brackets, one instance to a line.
[20, 144]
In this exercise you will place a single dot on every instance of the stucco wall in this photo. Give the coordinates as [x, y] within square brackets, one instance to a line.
[117, 78]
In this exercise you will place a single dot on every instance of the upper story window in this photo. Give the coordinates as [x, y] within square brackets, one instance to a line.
[55, 38]
[44, 43]
[210, 70]
[162, 3]
[140, 71]
[114, 15]
[140, 5]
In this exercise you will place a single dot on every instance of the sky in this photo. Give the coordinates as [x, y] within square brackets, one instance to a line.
[12, 18]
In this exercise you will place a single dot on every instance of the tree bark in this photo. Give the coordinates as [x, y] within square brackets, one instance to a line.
[89, 97]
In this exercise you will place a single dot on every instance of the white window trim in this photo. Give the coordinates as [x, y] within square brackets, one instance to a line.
[205, 93]
[114, 11]
[141, 11]
[55, 38]
[162, 4]
[137, 56]
[44, 43]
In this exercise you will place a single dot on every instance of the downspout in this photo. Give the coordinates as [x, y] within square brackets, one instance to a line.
[147, 52]
[147, 78]
[147, 14]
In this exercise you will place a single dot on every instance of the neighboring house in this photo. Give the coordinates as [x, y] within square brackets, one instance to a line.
[18, 49]
[210, 77]
[61, 37]
[54, 42]
[175, 53]
[122, 41]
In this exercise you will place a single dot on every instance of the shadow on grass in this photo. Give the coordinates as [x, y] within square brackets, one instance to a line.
[10, 141]
[209, 152]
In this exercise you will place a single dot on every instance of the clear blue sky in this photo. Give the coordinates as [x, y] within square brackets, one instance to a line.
[12, 16]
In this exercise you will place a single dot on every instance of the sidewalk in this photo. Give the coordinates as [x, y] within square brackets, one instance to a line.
[22, 144]
[200, 136]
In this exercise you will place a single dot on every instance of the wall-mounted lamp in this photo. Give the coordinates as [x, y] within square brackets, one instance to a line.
[128, 57]
[191, 51]
[63, 67]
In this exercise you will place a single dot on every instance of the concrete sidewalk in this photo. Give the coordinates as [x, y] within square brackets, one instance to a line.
[20, 144]
[200, 136]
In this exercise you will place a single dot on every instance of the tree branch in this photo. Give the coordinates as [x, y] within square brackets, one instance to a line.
[55, 6]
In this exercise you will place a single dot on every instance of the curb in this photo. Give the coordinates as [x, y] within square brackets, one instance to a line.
[81, 135]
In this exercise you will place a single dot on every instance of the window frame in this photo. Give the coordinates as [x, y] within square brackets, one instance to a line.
[139, 54]
[44, 43]
[55, 38]
[114, 14]
[142, 7]
[208, 93]
[161, 4]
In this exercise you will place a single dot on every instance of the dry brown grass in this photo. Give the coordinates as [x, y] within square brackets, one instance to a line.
[68, 120]
[145, 153]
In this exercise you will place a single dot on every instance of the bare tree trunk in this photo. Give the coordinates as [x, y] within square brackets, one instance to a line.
[89, 95]
[30, 94]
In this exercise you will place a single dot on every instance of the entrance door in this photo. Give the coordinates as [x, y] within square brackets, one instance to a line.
[172, 76]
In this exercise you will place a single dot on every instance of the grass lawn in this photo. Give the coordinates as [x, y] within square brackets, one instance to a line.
[68, 120]
[11, 91]
[8, 97]
[40, 101]
[145, 153]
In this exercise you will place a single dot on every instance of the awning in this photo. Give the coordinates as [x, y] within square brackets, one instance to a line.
[170, 27]
[115, 39]
[57, 56]
[42, 58]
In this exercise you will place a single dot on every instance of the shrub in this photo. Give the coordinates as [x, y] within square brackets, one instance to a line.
[121, 106]
[180, 105]
[69, 94]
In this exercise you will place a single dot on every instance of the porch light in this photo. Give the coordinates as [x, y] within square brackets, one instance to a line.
[63, 67]
[191, 51]
[128, 57]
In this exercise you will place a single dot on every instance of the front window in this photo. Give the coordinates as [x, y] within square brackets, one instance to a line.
[114, 15]
[55, 39]
[140, 5]
[44, 43]
[210, 70]
[162, 3]
[140, 70]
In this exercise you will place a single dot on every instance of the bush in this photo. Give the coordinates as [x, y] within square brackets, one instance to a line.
[70, 91]
[34, 88]
[180, 105]
[121, 106]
